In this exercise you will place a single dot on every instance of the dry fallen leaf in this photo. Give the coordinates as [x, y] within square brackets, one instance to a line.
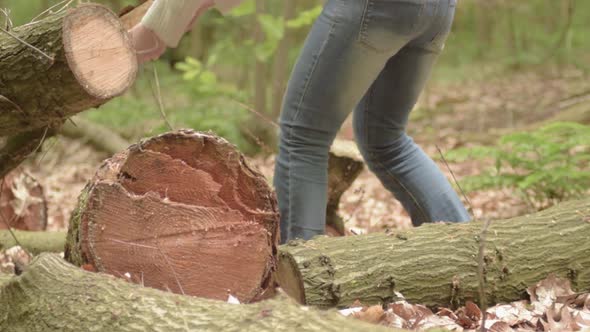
[469, 316]
[513, 313]
[22, 197]
[14, 260]
[500, 327]
[373, 314]
[545, 293]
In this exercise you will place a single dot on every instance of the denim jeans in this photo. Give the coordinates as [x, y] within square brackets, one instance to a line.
[372, 57]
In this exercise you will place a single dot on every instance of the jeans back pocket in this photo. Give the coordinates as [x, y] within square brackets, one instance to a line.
[384, 21]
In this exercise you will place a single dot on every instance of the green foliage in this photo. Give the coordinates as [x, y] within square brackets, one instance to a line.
[202, 103]
[305, 18]
[546, 166]
[274, 30]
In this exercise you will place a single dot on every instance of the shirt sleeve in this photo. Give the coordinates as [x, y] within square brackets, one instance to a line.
[169, 19]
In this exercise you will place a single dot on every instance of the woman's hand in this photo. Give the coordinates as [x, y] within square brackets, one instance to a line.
[148, 46]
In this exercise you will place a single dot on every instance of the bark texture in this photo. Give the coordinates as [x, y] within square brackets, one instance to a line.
[54, 68]
[40, 92]
[22, 203]
[52, 295]
[344, 166]
[34, 242]
[181, 211]
[436, 264]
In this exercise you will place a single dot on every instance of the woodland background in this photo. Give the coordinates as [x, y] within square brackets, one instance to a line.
[508, 104]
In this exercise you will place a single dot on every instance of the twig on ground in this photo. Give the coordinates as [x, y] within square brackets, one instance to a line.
[49, 10]
[258, 141]
[42, 141]
[8, 21]
[158, 96]
[470, 206]
[27, 44]
[252, 110]
[482, 246]
[46, 151]
[481, 273]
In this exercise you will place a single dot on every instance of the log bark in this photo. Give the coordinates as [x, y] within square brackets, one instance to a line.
[52, 295]
[83, 59]
[436, 264]
[204, 222]
[34, 242]
[344, 166]
[22, 203]
[54, 68]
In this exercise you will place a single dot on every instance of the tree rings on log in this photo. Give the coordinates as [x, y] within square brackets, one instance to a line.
[22, 203]
[182, 212]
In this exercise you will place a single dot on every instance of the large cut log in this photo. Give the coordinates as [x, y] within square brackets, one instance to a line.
[344, 166]
[54, 68]
[33, 242]
[182, 211]
[52, 295]
[22, 203]
[437, 264]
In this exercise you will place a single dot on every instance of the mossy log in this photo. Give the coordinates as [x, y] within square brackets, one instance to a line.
[56, 67]
[52, 295]
[437, 264]
[182, 211]
[34, 242]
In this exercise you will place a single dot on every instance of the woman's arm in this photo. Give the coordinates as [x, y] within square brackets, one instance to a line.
[167, 21]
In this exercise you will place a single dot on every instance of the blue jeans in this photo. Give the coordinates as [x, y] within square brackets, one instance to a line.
[373, 57]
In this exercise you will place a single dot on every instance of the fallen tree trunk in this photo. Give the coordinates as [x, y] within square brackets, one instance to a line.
[436, 264]
[203, 221]
[56, 67]
[22, 203]
[34, 242]
[70, 299]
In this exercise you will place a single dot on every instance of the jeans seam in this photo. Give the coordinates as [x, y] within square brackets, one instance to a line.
[364, 20]
[313, 68]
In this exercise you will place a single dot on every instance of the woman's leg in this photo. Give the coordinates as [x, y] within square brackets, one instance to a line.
[380, 122]
[332, 74]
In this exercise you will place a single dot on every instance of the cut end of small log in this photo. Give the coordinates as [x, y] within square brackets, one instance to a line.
[182, 212]
[289, 278]
[99, 51]
[22, 203]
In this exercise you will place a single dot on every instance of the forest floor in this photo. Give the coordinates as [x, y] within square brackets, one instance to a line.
[447, 116]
